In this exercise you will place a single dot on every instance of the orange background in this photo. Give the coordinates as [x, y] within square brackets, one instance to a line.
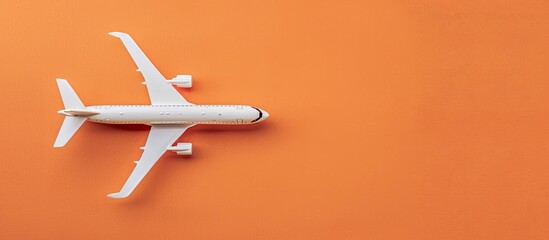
[389, 120]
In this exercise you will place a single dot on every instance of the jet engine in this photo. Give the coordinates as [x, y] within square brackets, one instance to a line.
[182, 148]
[182, 81]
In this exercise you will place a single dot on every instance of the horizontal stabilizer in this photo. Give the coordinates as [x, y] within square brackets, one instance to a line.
[69, 127]
[70, 99]
[74, 110]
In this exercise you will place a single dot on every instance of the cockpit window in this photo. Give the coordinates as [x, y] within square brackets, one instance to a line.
[260, 115]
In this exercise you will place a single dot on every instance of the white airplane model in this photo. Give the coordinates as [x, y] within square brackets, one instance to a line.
[169, 115]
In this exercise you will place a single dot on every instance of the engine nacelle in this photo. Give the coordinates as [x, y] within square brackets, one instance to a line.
[182, 148]
[182, 81]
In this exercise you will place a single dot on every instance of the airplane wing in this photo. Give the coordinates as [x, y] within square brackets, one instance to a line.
[160, 138]
[160, 91]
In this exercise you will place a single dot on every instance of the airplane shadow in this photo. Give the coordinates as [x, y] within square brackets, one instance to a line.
[198, 128]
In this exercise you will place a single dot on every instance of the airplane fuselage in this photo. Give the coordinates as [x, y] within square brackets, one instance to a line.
[173, 114]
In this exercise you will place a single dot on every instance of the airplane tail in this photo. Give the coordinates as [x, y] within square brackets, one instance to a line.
[72, 122]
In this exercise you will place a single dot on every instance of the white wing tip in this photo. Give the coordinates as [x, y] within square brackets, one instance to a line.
[60, 80]
[117, 195]
[118, 34]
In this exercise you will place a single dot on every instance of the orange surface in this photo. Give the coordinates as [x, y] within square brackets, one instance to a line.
[389, 120]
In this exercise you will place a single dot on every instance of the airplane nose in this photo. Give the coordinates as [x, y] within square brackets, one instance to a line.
[265, 114]
[261, 115]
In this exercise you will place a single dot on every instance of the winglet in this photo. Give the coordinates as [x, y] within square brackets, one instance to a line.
[118, 34]
[117, 195]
